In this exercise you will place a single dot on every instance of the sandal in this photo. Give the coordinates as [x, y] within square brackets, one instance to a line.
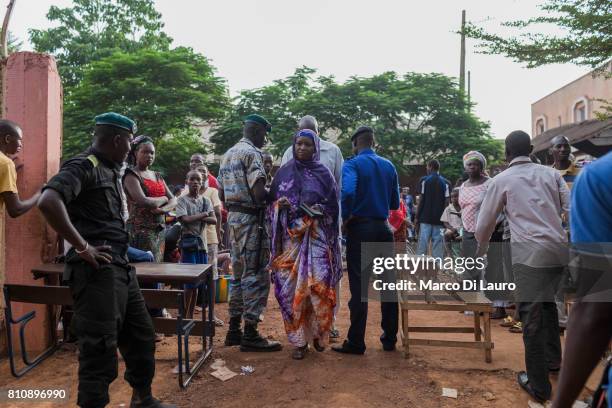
[300, 352]
[318, 345]
[507, 322]
[218, 322]
[516, 328]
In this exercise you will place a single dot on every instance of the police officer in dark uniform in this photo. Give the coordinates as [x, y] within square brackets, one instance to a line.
[83, 204]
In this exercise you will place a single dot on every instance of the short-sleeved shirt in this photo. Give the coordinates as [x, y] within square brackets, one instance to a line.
[452, 216]
[434, 192]
[187, 205]
[570, 174]
[8, 184]
[211, 230]
[241, 167]
[470, 199]
[591, 207]
[8, 179]
[90, 187]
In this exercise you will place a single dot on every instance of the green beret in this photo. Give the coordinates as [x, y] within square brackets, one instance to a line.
[259, 119]
[116, 120]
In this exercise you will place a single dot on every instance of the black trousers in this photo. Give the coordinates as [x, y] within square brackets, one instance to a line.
[536, 289]
[110, 312]
[367, 230]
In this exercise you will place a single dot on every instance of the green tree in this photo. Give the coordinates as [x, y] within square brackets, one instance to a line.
[168, 93]
[585, 35]
[417, 117]
[93, 29]
[277, 102]
[175, 150]
[14, 44]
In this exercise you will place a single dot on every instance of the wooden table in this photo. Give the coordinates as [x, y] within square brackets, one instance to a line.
[167, 273]
[470, 301]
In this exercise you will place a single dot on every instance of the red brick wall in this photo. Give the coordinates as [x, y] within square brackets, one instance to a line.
[32, 98]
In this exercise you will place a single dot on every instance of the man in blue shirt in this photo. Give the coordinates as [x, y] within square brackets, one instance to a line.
[434, 199]
[589, 330]
[369, 190]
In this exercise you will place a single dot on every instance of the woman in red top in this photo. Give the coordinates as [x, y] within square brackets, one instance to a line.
[398, 221]
[149, 199]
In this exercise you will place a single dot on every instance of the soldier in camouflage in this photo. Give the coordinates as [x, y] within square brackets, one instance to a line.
[242, 180]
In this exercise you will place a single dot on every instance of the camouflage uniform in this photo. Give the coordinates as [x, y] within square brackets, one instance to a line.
[241, 167]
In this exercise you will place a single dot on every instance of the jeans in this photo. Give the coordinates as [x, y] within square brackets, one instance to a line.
[370, 230]
[433, 232]
[137, 255]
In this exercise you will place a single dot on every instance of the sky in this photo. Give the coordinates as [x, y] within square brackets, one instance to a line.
[254, 42]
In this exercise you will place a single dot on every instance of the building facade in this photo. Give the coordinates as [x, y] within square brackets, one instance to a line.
[575, 102]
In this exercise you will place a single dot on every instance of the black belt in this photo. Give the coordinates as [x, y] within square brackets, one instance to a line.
[361, 220]
[116, 247]
[243, 210]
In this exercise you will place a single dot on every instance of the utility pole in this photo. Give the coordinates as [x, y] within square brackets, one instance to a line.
[462, 64]
[4, 51]
[5, 24]
[469, 88]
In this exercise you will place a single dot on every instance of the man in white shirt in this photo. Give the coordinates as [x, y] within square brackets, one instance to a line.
[535, 198]
[330, 157]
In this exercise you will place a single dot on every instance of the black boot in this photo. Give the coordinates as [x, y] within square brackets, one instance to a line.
[143, 398]
[252, 341]
[234, 333]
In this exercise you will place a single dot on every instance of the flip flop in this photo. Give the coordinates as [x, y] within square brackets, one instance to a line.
[507, 322]
[516, 328]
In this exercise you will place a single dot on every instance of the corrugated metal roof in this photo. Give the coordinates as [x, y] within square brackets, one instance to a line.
[590, 135]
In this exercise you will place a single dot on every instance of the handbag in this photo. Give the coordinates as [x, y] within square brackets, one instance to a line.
[310, 211]
[191, 243]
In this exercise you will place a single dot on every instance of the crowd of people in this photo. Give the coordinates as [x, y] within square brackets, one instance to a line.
[291, 228]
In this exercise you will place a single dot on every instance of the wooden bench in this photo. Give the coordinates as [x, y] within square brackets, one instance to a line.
[471, 301]
[60, 295]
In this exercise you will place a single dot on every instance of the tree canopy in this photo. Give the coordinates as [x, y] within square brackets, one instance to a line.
[416, 117]
[94, 29]
[167, 93]
[584, 35]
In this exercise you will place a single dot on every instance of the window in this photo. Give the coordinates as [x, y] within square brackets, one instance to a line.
[580, 111]
[540, 127]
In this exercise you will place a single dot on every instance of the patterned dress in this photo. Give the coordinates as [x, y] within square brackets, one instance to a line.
[305, 252]
[146, 229]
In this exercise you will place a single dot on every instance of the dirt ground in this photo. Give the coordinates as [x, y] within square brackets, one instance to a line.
[377, 379]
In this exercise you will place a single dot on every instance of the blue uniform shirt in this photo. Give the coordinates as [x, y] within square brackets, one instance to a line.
[591, 207]
[369, 186]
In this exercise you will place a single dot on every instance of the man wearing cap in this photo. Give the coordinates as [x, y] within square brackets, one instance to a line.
[83, 203]
[370, 189]
[242, 179]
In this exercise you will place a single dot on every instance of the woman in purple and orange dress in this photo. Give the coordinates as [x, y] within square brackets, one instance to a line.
[305, 252]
